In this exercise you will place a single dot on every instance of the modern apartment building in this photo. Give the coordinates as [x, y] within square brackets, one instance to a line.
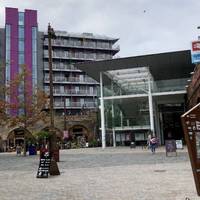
[72, 87]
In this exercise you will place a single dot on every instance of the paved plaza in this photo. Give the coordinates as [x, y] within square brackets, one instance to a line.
[96, 174]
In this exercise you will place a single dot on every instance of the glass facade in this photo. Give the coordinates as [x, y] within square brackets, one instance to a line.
[34, 56]
[7, 74]
[21, 39]
[21, 59]
[21, 19]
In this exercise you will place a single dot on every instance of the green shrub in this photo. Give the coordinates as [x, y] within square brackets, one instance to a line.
[43, 135]
[93, 143]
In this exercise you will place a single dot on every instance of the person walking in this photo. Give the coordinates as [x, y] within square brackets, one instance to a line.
[18, 150]
[148, 140]
[153, 144]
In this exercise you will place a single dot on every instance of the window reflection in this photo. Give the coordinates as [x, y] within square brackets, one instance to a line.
[21, 18]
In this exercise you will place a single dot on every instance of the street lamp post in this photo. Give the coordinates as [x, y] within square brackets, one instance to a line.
[51, 35]
[53, 147]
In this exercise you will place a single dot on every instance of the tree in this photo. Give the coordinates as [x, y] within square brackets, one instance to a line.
[27, 105]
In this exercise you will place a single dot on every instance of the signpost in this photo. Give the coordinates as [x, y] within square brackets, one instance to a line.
[191, 126]
[170, 146]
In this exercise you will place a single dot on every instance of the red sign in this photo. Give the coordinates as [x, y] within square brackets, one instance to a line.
[196, 46]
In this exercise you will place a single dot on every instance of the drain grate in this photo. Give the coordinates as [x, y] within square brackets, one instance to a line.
[159, 170]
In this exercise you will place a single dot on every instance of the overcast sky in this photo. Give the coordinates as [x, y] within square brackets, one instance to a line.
[143, 26]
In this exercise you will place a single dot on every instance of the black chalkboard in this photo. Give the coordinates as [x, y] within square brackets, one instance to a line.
[44, 165]
[170, 146]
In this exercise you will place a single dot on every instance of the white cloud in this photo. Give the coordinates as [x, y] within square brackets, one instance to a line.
[143, 26]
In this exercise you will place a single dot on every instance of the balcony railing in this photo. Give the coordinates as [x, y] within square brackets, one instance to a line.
[75, 105]
[73, 92]
[79, 44]
[71, 79]
[79, 56]
[62, 68]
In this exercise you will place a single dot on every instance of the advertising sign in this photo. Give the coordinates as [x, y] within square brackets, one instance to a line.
[196, 46]
[179, 144]
[44, 165]
[195, 52]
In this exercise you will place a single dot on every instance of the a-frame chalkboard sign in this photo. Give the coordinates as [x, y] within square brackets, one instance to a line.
[44, 166]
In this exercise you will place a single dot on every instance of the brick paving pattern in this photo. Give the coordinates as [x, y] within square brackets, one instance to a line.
[96, 174]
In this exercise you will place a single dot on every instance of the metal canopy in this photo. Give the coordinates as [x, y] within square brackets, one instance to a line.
[131, 80]
[163, 66]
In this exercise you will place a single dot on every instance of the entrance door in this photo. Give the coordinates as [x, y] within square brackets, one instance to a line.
[171, 121]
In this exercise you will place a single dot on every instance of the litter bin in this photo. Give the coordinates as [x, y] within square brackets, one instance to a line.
[32, 150]
[132, 145]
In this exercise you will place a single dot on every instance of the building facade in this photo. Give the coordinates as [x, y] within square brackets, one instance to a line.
[20, 49]
[75, 93]
[141, 94]
[72, 87]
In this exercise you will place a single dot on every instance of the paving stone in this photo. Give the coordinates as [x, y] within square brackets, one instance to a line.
[96, 174]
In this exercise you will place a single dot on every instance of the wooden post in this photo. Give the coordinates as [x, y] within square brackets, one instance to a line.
[191, 127]
[53, 147]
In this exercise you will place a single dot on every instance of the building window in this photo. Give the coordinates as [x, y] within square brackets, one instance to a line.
[67, 102]
[7, 75]
[34, 33]
[21, 19]
[34, 56]
[21, 45]
[21, 32]
[21, 58]
[8, 30]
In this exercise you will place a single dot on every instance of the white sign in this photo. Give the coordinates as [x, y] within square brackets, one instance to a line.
[179, 144]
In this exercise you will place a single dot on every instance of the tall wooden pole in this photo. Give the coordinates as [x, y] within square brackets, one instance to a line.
[53, 147]
[51, 34]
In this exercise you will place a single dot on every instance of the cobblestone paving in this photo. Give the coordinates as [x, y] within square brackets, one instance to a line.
[96, 174]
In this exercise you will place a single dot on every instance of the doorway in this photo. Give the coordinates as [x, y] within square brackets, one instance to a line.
[171, 121]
